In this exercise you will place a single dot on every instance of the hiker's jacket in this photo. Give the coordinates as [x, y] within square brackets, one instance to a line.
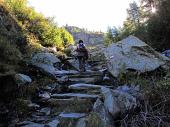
[81, 50]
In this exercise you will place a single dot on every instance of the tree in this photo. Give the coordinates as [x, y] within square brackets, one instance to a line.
[112, 35]
[134, 13]
[45, 29]
[159, 26]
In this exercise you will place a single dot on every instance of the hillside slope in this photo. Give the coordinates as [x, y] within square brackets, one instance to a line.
[90, 38]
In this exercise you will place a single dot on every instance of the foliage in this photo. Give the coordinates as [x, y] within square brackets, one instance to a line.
[10, 55]
[150, 22]
[111, 36]
[154, 109]
[159, 26]
[93, 120]
[45, 29]
[9, 51]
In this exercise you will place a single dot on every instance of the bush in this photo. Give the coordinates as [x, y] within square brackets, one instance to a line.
[9, 52]
[9, 56]
[44, 29]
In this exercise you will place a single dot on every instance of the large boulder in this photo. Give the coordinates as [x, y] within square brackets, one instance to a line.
[110, 102]
[133, 54]
[103, 113]
[45, 62]
[22, 79]
[125, 101]
[121, 100]
[49, 64]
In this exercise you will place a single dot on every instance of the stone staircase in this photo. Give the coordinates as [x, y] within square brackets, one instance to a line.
[64, 109]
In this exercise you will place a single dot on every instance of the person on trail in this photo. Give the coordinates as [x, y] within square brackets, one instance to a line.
[82, 55]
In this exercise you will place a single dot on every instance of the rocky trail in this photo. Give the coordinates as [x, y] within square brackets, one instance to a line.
[75, 97]
[74, 101]
[88, 99]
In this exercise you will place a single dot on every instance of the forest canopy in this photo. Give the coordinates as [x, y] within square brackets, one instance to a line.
[149, 21]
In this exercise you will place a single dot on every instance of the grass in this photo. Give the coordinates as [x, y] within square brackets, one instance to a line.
[67, 122]
[93, 120]
[155, 107]
[10, 55]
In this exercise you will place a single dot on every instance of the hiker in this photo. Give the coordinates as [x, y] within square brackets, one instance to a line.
[82, 55]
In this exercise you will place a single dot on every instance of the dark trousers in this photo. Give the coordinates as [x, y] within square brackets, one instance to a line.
[81, 60]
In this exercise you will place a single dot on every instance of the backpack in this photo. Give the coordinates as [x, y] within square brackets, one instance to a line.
[81, 46]
[82, 51]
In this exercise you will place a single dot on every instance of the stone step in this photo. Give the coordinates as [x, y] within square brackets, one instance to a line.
[93, 79]
[84, 86]
[52, 123]
[69, 105]
[64, 102]
[86, 74]
[72, 115]
[77, 95]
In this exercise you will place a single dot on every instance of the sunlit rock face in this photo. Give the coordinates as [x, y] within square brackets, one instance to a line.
[133, 54]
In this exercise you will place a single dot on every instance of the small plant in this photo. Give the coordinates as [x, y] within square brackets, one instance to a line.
[93, 120]
[9, 56]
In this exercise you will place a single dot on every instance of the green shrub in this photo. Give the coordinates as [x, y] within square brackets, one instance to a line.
[9, 56]
[44, 29]
[93, 120]
[9, 52]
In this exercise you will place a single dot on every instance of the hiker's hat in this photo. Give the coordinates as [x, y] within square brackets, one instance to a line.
[80, 41]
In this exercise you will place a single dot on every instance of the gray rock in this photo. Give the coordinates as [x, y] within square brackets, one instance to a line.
[46, 111]
[133, 90]
[81, 123]
[32, 124]
[87, 80]
[77, 95]
[83, 86]
[65, 72]
[72, 115]
[65, 102]
[120, 100]
[110, 101]
[50, 87]
[44, 95]
[74, 63]
[53, 123]
[126, 101]
[132, 53]
[33, 106]
[89, 77]
[127, 97]
[22, 79]
[103, 113]
[47, 58]
[45, 62]
[166, 53]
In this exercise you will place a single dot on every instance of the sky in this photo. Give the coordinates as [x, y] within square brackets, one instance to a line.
[95, 15]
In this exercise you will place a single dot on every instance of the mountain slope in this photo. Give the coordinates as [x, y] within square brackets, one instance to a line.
[90, 38]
